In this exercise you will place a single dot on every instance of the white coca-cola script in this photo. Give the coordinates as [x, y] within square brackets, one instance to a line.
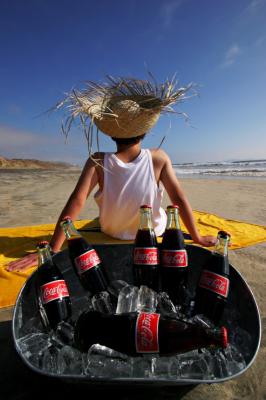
[54, 290]
[147, 333]
[214, 282]
[86, 261]
[174, 258]
[146, 255]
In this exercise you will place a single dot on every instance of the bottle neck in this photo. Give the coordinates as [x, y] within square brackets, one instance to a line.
[145, 219]
[69, 229]
[44, 256]
[172, 219]
[221, 246]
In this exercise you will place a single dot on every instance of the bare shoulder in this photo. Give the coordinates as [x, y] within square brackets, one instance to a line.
[161, 162]
[94, 160]
[159, 156]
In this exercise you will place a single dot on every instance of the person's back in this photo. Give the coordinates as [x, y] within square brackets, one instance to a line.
[127, 179]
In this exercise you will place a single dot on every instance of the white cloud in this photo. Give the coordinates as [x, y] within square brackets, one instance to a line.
[231, 56]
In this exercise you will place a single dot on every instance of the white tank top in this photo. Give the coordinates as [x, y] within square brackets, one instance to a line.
[126, 187]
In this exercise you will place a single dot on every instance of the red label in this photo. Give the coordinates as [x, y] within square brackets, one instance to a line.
[146, 255]
[214, 282]
[174, 258]
[54, 290]
[86, 261]
[146, 338]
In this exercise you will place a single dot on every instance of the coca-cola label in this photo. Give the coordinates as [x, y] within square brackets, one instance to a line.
[146, 255]
[214, 282]
[174, 258]
[147, 340]
[86, 261]
[54, 290]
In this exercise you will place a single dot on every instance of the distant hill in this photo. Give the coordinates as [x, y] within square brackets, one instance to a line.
[21, 163]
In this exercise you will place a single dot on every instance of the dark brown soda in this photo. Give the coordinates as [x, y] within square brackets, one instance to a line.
[173, 279]
[94, 279]
[145, 274]
[118, 332]
[57, 310]
[211, 303]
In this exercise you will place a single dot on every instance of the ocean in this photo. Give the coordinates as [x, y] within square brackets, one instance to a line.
[243, 168]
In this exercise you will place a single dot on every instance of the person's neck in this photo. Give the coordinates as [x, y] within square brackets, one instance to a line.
[128, 153]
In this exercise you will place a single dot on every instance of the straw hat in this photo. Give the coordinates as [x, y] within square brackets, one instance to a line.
[121, 107]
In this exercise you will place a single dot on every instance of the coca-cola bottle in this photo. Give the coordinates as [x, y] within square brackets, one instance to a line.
[146, 253]
[213, 286]
[85, 259]
[52, 291]
[174, 259]
[140, 333]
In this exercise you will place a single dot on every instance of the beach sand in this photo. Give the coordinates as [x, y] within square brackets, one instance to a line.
[32, 197]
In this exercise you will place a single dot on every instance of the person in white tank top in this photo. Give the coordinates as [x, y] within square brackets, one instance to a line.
[128, 185]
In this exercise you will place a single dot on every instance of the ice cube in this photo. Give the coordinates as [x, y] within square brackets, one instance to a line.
[115, 287]
[147, 300]
[165, 305]
[166, 367]
[49, 360]
[69, 361]
[105, 362]
[102, 302]
[194, 366]
[34, 343]
[127, 299]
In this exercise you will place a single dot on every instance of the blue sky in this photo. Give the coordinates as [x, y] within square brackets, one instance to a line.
[50, 46]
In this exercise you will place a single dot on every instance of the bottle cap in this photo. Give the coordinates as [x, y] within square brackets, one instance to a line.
[224, 234]
[42, 244]
[66, 218]
[145, 206]
[224, 335]
[173, 206]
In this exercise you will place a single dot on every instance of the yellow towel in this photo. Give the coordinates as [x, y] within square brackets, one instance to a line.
[15, 242]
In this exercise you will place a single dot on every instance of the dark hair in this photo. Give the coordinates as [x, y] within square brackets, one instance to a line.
[127, 141]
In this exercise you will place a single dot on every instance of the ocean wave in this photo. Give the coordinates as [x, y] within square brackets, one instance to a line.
[219, 171]
[256, 168]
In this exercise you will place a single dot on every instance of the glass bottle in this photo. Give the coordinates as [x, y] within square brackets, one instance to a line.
[52, 291]
[213, 286]
[146, 253]
[85, 259]
[174, 259]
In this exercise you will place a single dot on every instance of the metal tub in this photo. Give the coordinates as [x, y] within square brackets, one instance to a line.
[241, 313]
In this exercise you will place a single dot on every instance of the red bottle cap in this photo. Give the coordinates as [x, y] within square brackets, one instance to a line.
[145, 206]
[224, 335]
[43, 243]
[66, 218]
[173, 206]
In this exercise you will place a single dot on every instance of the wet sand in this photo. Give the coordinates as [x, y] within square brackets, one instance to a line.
[32, 197]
